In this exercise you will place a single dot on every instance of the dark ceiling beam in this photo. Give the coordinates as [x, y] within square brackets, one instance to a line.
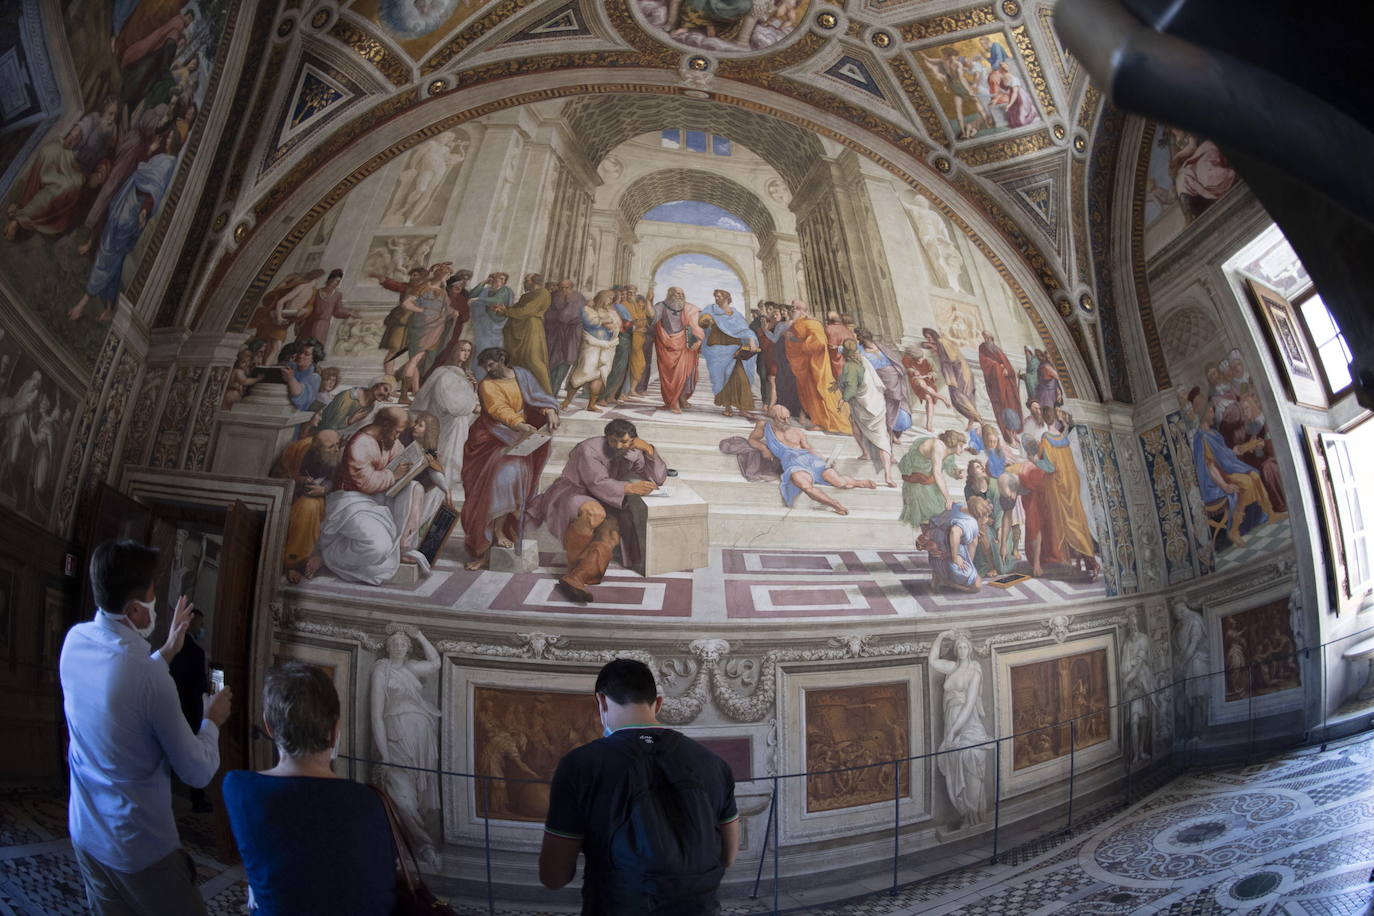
[1305, 158]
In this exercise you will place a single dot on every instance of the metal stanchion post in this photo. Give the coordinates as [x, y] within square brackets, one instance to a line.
[777, 841]
[767, 833]
[1250, 714]
[896, 820]
[996, 796]
[1130, 742]
[1073, 748]
[486, 842]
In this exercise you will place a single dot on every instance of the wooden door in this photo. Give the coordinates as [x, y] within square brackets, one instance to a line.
[232, 643]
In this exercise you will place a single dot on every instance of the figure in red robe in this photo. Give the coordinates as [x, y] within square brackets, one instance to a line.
[1003, 384]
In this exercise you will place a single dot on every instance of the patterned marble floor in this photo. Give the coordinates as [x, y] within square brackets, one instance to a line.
[38, 875]
[1291, 835]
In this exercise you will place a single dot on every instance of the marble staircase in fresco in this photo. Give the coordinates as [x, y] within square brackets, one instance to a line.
[745, 513]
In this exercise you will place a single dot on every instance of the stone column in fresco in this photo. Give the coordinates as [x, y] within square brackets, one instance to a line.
[486, 213]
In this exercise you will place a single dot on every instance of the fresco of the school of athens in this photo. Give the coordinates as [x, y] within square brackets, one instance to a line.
[82, 195]
[461, 327]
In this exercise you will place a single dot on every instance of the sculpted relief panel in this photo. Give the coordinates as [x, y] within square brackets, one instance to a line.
[522, 734]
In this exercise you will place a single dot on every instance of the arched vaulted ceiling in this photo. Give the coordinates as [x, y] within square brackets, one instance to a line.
[693, 184]
[606, 121]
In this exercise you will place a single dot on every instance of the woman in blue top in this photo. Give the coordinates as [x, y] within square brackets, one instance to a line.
[310, 841]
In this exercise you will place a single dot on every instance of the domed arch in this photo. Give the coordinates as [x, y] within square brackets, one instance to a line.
[668, 185]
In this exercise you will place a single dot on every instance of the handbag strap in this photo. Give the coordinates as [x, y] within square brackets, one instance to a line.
[410, 871]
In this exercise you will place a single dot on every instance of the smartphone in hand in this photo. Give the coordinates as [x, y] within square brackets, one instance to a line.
[216, 679]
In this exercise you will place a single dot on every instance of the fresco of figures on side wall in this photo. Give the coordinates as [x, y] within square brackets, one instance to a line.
[36, 416]
[1185, 176]
[77, 216]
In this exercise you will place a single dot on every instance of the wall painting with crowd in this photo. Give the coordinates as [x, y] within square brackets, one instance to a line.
[689, 280]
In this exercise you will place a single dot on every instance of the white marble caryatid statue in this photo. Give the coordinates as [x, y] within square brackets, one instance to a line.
[1140, 688]
[945, 260]
[405, 727]
[964, 770]
[1193, 660]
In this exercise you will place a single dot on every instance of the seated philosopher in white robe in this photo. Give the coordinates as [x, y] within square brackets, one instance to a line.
[366, 533]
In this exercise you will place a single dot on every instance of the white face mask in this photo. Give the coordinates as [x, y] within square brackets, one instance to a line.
[151, 608]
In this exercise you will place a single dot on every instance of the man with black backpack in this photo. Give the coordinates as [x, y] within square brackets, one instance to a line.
[653, 810]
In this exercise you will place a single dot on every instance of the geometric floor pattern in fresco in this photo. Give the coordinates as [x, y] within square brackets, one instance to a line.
[774, 583]
[1288, 836]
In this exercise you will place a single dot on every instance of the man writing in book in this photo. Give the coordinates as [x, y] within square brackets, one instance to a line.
[370, 524]
[586, 505]
[504, 455]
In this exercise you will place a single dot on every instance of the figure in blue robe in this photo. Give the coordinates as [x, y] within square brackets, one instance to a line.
[720, 360]
[132, 208]
[488, 327]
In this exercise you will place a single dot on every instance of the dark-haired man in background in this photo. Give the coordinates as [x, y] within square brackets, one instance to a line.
[192, 678]
[586, 505]
[609, 798]
[127, 736]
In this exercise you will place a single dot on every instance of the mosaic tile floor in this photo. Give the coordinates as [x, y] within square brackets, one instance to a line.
[1288, 836]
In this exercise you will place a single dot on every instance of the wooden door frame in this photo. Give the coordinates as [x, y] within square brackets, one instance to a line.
[271, 498]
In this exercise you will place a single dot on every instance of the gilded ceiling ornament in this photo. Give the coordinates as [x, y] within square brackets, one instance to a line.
[320, 19]
[1085, 302]
[881, 40]
[827, 20]
[948, 25]
[906, 77]
[943, 165]
[1059, 132]
[1092, 98]
[1037, 77]
[698, 63]
[371, 50]
[474, 29]
[1080, 143]
[240, 232]
[286, 27]
[1007, 149]
[436, 87]
[1011, 8]
[220, 222]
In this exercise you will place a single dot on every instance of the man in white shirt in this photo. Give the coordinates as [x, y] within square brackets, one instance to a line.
[127, 735]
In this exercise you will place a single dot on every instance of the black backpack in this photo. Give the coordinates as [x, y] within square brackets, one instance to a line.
[665, 848]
